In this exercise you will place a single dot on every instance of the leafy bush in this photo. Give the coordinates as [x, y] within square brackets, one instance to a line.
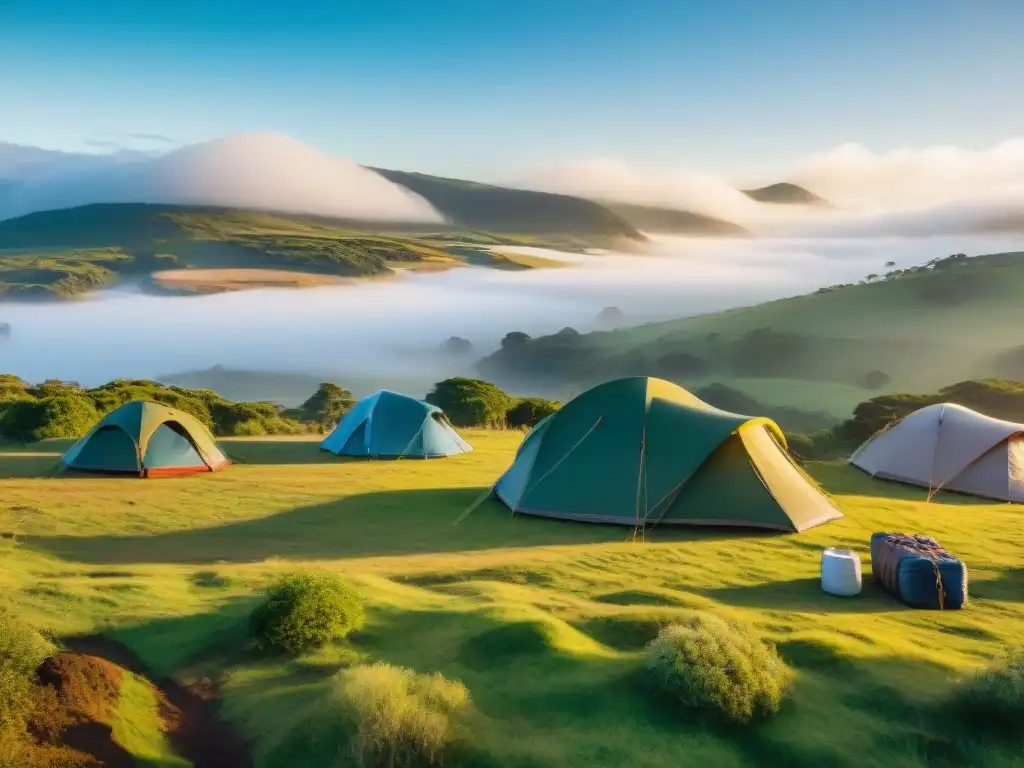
[326, 407]
[530, 410]
[22, 650]
[994, 696]
[306, 610]
[58, 415]
[471, 402]
[399, 718]
[708, 663]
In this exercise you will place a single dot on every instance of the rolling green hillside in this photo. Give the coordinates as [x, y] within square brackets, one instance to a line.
[671, 221]
[470, 205]
[785, 193]
[915, 330]
[61, 253]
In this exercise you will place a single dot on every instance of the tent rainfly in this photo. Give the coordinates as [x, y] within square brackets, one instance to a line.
[643, 451]
[147, 440]
[390, 425]
[949, 447]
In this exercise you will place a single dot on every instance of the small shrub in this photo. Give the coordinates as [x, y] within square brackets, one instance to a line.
[530, 410]
[399, 718]
[304, 611]
[22, 650]
[994, 696]
[724, 666]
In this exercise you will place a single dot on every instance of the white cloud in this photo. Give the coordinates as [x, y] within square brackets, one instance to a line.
[254, 170]
[852, 175]
[614, 180]
[925, 191]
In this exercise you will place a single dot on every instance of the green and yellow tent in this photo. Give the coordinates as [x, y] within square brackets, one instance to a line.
[643, 451]
[148, 440]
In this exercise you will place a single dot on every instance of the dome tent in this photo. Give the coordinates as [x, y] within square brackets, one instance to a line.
[149, 440]
[643, 451]
[389, 425]
[949, 447]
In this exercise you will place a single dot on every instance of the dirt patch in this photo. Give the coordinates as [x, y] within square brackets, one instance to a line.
[219, 280]
[189, 714]
[77, 697]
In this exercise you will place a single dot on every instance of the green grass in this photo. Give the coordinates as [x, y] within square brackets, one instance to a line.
[137, 726]
[545, 622]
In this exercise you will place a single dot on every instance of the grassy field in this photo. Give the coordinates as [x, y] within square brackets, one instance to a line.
[542, 620]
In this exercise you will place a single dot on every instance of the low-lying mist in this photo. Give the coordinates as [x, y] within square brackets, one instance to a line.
[396, 327]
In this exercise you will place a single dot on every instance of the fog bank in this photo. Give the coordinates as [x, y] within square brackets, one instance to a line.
[381, 328]
[266, 171]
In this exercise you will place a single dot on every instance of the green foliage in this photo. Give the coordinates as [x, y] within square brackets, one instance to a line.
[708, 663]
[326, 407]
[63, 409]
[306, 610]
[22, 650]
[994, 696]
[471, 402]
[398, 718]
[58, 415]
[530, 410]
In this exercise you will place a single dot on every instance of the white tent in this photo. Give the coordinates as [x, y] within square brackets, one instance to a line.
[949, 447]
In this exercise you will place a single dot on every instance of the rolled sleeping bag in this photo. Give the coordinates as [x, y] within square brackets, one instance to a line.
[918, 571]
[840, 572]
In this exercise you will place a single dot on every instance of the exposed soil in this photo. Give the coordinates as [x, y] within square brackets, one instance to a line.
[80, 688]
[77, 697]
[221, 280]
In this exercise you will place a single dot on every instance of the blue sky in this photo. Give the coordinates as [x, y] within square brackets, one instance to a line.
[484, 89]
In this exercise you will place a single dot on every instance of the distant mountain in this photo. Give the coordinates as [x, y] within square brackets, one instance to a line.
[785, 193]
[671, 221]
[476, 206]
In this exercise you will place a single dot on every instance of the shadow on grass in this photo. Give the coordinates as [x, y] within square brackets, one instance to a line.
[368, 525]
[27, 463]
[282, 452]
[806, 596]
[845, 479]
[1008, 587]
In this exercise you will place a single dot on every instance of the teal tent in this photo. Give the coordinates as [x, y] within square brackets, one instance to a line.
[390, 425]
[642, 451]
[148, 440]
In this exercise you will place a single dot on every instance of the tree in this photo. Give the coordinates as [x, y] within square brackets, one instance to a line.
[471, 402]
[514, 339]
[530, 410]
[456, 345]
[327, 406]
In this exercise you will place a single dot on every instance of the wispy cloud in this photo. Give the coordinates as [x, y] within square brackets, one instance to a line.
[157, 137]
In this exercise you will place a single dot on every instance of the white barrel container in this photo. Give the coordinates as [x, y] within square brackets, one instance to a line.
[840, 572]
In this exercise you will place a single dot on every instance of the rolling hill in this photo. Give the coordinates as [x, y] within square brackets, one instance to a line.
[785, 193]
[54, 254]
[672, 221]
[470, 205]
[916, 330]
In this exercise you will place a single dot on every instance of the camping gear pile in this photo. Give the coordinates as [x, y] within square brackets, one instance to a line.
[918, 571]
[840, 572]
